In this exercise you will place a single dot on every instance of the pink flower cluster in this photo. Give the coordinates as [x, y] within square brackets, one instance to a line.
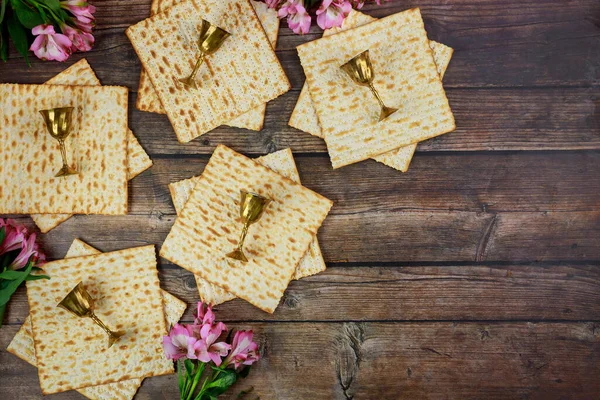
[16, 237]
[76, 33]
[199, 342]
[331, 13]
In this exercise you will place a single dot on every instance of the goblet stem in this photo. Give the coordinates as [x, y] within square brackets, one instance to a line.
[385, 111]
[112, 336]
[63, 153]
[238, 253]
[243, 235]
[190, 81]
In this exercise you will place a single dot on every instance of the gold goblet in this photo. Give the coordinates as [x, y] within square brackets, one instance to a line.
[58, 122]
[80, 303]
[211, 38]
[251, 209]
[361, 72]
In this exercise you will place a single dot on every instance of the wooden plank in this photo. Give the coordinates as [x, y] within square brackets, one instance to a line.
[393, 236]
[367, 360]
[541, 43]
[414, 293]
[476, 182]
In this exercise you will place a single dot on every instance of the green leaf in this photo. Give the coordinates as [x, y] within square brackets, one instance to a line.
[244, 372]
[3, 41]
[2, 12]
[3, 230]
[13, 275]
[6, 292]
[245, 392]
[29, 18]
[220, 385]
[54, 5]
[19, 37]
[189, 367]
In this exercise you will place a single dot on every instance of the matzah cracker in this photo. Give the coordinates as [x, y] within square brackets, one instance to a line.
[405, 75]
[31, 157]
[209, 227]
[283, 163]
[72, 352]
[81, 73]
[148, 100]
[304, 117]
[244, 73]
[22, 344]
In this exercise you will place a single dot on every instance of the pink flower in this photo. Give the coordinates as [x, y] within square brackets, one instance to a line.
[332, 13]
[204, 348]
[13, 236]
[82, 41]
[82, 10]
[30, 250]
[272, 3]
[175, 345]
[49, 45]
[204, 317]
[244, 350]
[297, 17]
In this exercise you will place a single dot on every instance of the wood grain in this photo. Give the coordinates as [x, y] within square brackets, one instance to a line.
[427, 360]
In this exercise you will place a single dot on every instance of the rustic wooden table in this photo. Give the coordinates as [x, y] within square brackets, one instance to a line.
[476, 274]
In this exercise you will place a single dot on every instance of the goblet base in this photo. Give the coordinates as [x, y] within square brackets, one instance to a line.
[66, 171]
[386, 112]
[189, 82]
[238, 254]
[114, 337]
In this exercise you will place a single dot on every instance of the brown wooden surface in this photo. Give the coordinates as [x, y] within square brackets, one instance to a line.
[474, 275]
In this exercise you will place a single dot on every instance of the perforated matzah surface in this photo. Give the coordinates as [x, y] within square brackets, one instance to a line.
[148, 100]
[72, 352]
[23, 346]
[283, 163]
[244, 73]
[31, 157]
[405, 76]
[138, 160]
[209, 227]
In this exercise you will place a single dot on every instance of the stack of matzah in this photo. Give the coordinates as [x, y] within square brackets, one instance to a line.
[102, 148]
[71, 353]
[408, 71]
[235, 83]
[281, 246]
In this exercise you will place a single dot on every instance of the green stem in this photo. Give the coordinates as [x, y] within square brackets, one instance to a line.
[199, 371]
[206, 381]
[2, 310]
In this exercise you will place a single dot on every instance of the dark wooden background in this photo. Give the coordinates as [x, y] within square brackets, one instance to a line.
[475, 275]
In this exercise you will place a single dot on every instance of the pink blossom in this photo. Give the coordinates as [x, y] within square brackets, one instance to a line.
[297, 17]
[82, 41]
[331, 13]
[175, 345]
[244, 350]
[272, 3]
[204, 317]
[13, 236]
[84, 26]
[30, 250]
[82, 10]
[206, 348]
[49, 45]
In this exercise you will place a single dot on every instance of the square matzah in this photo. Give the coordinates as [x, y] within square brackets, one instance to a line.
[138, 161]
[405, 75]
[244, 73]
[72, 352]
[22, 345]
[31, 157]
[283, 163]
[209, 227]
[304, 117]
[148, 100]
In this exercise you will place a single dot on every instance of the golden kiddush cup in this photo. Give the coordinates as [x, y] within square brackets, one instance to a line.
[211, 38]
[251, 209]
[360, 70]
[59, 124]
[80, 303]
